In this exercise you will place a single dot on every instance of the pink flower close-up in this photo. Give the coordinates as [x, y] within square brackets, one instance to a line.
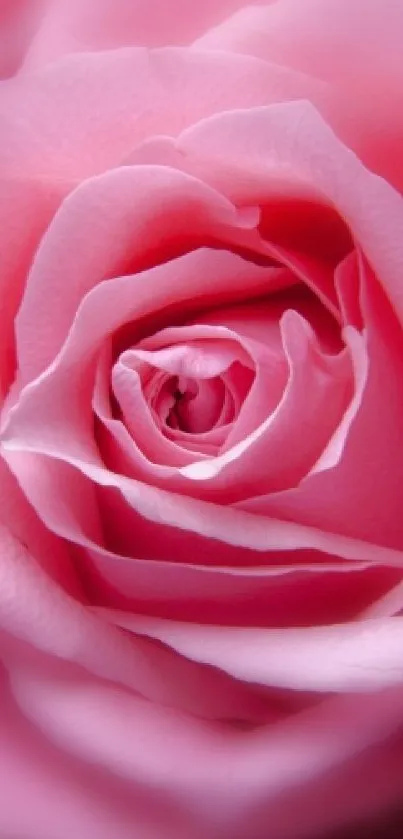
[201, 419]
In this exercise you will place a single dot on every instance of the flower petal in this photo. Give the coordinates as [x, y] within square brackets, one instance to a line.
[116, 23]
[361, 656]
[294, 139]
[271, 769]
[359, 493]
[86, 113]
[119, 211]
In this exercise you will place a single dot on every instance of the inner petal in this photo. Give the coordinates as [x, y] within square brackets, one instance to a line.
[194, 380]
[198, 359]
[197, 404]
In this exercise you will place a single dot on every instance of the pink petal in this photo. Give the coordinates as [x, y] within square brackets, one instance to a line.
[36, 610]
[282, 447]
[333, 451]
[117, 445]
[198, 352]
[86, 113]
[73, 712]
[209, 274]
[106, 24]
[359, 491]
[116, 211]
[61, 796]
[222, 583]
[26, 208]
[202, 392]
[294, 138]
[66, 412]
[360, 656]
[364, 74]
[19, 20]
[269, 768]
[324, 40]
[50, 552]
[347, 283]
[66, 478]
[391, 603]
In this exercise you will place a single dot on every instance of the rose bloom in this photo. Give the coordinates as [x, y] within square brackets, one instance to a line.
[201, 358]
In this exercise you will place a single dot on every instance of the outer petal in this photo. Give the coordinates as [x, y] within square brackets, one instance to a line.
[86, 113]
[292, 139]
[321, 37]
[18, 517]
[72, 709]
[203, 277]
[121, 211]
[271, 769]
[89, 718]
[325, 38]
[361, 656]
[51, 625]
[357, 487]
[97, 24]
[26, 208]
[188, 577]
[63, 797]
[64, 477]
[18, 22]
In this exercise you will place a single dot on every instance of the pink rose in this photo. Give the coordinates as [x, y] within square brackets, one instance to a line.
[18, 23]
[201, 357]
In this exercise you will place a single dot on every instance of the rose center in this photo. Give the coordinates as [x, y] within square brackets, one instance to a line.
[190, 405]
